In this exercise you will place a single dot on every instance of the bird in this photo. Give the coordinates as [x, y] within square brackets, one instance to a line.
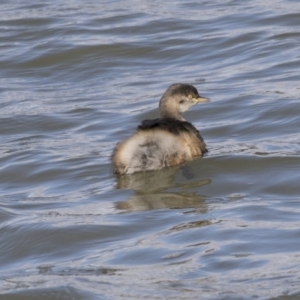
[163, 142]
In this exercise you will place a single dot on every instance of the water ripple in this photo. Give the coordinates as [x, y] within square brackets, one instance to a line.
[78, 77]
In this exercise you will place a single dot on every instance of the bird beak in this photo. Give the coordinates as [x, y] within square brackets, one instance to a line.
[201, 99]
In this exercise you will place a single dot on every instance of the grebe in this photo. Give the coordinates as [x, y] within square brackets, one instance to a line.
[164, 142]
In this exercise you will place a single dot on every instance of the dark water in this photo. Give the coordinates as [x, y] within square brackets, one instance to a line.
[78, 76]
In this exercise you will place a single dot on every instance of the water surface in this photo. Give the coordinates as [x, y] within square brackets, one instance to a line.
[76, 77]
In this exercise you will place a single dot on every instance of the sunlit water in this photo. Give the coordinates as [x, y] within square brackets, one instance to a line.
[78, 76]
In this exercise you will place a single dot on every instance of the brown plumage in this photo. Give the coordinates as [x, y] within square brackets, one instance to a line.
[164, 142]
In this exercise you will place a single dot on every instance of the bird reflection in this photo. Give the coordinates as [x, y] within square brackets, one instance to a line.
[152, 190]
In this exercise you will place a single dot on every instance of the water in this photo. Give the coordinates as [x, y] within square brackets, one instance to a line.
[77, 77]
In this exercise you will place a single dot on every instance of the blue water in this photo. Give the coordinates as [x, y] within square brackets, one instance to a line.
[76, 78]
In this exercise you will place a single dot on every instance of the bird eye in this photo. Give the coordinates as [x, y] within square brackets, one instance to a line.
[190, 96]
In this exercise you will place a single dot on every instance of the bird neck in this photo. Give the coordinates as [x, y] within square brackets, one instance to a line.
[167, 109]
[171, 115]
